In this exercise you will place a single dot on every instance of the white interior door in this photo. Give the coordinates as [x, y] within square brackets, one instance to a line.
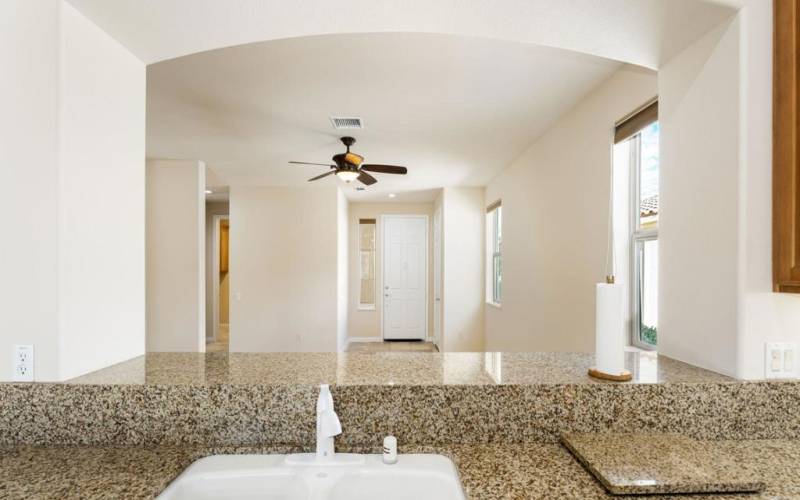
[437, 278]
[405, 283]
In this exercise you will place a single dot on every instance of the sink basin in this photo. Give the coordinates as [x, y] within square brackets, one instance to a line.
[297, 477]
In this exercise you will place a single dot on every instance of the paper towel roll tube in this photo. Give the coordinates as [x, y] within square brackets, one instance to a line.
[610, 332]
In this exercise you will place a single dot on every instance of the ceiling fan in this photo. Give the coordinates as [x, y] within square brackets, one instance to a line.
[350, 166]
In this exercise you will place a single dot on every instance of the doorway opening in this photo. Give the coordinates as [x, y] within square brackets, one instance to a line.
[220, 258]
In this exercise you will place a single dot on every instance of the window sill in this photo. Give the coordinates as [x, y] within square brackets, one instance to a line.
[494, 304]
[366, 308]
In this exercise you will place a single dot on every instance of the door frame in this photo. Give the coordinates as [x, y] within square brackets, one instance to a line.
[383, 267]
[217, 220]
[437, 274]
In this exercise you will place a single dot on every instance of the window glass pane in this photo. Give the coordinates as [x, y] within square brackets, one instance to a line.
[498, 259]
[366, 242]
[494, 247]
[648, 177]
[499, 229]
[498, 278]
[647, 277]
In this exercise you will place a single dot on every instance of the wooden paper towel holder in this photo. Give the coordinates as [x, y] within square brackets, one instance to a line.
[624, 376]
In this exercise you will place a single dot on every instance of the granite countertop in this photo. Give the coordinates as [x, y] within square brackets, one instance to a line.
[386, 368]
[644, 464]
[490, 472]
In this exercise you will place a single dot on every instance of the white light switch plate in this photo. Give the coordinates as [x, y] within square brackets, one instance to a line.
[22, 363]
[780, 360]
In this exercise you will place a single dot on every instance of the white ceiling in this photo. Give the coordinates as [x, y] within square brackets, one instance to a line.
[643, 32]
[454, 110]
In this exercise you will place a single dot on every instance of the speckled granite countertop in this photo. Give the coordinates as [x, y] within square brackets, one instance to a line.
[422, 398]
[488, 472]
[386, 368]
[645, 464]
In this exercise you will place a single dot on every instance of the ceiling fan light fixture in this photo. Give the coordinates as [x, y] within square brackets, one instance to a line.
[350, 166]
[348, 175]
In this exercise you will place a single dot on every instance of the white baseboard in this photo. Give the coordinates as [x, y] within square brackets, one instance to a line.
[364, 339]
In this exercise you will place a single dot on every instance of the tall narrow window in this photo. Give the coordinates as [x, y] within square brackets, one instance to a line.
[366, 247]
[638, 137]
[494, 253]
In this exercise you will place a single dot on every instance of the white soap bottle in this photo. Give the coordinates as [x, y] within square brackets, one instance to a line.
[390, 450]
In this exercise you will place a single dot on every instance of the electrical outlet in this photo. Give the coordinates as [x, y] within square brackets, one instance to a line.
[780, 360]
[23, 363]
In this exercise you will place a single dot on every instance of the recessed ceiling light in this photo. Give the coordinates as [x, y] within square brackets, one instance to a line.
[392, 195]
[208, 191]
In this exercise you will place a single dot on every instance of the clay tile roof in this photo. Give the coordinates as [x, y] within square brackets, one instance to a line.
[649, 206]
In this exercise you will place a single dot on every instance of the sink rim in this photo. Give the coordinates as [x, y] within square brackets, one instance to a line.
[231, 466]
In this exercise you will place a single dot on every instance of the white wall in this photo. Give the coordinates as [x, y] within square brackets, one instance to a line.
[212, 209]
[342, 265]
[72, 137]
[176, 255]
[699, 202]
[463, 214]
[367, 323]
[721, 88]
[29, 168]
[764, 316]
[555, 210]
[284, 269]
[101, 198]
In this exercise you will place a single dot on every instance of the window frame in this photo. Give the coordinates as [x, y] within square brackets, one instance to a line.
[494, 254]
[638, 237]
[361, 306]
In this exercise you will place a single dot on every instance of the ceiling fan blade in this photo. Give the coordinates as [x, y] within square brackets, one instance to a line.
[384, 169]
[326, 174]
[307, 163]
[367, 179]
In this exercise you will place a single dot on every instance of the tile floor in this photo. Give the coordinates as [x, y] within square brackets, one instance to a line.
[393, 346]
[221, 345]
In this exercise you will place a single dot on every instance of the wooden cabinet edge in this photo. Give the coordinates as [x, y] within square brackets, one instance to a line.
[785, 237]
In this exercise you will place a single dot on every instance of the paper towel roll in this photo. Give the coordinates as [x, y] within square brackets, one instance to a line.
[610, 328]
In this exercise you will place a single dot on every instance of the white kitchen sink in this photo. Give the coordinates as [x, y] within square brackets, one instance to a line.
[354, 477]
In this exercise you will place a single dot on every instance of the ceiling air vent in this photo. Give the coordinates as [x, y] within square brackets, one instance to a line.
[346, 122]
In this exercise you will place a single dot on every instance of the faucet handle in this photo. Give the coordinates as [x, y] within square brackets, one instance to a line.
[329, 424]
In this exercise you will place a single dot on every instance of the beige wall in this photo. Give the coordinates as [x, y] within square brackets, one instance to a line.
[212, 209]
[176, 255]
[342, 268]
[367, 323]
[555, 209]
[463, 286]
[283, 269]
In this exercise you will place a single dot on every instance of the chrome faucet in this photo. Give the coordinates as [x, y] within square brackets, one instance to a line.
[328, 425]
